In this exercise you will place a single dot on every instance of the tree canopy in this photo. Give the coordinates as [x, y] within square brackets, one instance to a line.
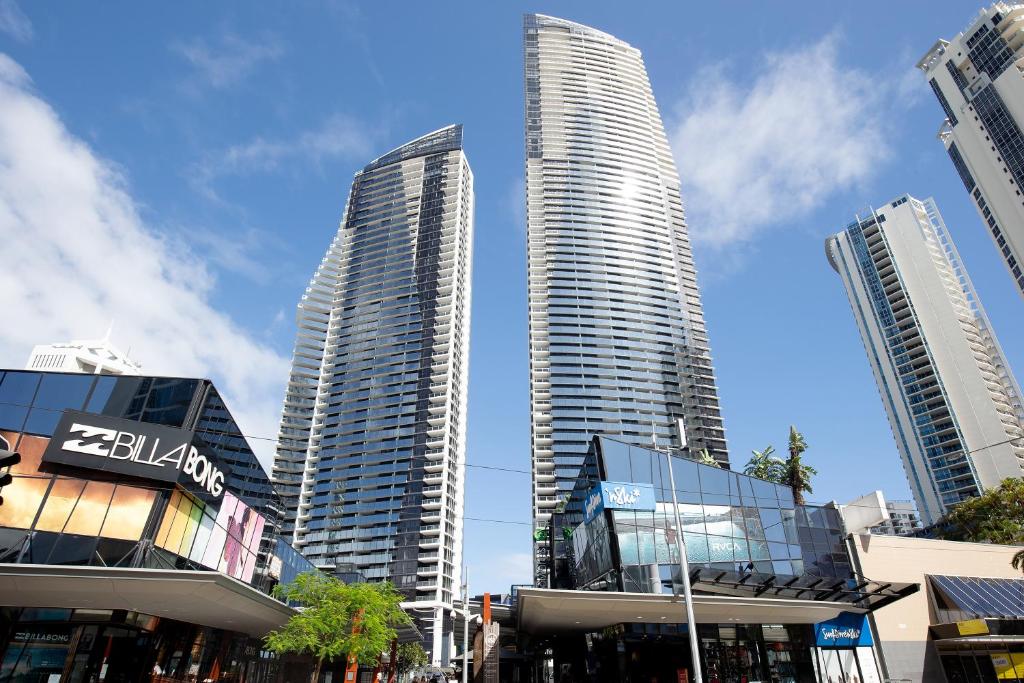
[411, 656]
[796, 474]
[338, 619]
[996, 516]
[764, 465]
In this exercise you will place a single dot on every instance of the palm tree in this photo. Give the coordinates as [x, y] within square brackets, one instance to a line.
[704, 458]
[1018, 560]
[796, 474]
[764, 465]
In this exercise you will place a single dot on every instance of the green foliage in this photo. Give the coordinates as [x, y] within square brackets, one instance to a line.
[795, 473]
[764, 465]
[704, 458]
[996, 516]
[411, 656]
[325, 626]
[540, 534]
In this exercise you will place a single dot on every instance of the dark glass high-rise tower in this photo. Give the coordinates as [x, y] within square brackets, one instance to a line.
[371, 456]
[618, 344]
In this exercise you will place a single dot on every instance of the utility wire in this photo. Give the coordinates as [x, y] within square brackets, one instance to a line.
[520, 471]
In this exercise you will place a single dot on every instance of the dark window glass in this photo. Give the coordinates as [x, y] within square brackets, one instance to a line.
[714, 480]
[640, 458]
[63, 391]
[616, 460]
[685, 473]
[42, 421]
[101, 394]
[16, 393]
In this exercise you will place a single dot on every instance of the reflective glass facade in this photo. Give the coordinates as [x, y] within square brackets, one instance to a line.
[951, 397]
[59, 515]
[618, 343]
[729, 521]
[371, 460]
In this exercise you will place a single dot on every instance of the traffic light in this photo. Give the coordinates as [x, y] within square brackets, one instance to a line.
[7, 459]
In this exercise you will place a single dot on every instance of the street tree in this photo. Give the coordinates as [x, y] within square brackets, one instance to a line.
[996, 516]
[337, 619]
[764, 465]
[411, 656]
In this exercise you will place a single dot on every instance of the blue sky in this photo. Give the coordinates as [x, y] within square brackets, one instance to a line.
[180, 169]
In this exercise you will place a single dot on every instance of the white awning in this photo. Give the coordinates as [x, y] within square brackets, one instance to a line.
[543, 610]
[207, 598]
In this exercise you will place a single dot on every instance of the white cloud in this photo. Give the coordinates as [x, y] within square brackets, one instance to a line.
[338, 137]
[753, 156]
[231, 60]
[14, 23]
[77, 255]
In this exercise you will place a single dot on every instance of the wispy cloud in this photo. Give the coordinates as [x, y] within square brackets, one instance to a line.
[77, 254]
[338, 137]
[14, 23]
[230, 60]
[756, 154]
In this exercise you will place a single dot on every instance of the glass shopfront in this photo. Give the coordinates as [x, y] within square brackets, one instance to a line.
[81, 508]
[89, 646]
[729, 521]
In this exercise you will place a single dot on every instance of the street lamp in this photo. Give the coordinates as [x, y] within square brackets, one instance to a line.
[466, 616]
[684, 563]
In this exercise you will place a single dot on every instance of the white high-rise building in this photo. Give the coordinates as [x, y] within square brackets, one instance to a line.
[618, 344]
[952, 401]
[372, 449]
[89, 356]
[874, 514]
[978, 78]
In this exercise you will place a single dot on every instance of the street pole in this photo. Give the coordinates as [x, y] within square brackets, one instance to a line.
[684, 565]
[465, 624]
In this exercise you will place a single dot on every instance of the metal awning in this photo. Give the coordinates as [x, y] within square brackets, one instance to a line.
[545, 611]
[207, 598]
[857, 592]
[981, 597]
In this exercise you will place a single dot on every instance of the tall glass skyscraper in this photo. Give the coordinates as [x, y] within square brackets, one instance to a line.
[952, 401]
[371, 456]
[977, 80]
[618, 344]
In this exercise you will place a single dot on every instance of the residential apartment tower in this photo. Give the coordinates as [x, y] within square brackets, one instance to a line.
[978, 80]
[952, 401]
[618, 344]
[371, 459]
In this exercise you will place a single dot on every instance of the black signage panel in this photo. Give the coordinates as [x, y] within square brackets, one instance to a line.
[136, 449]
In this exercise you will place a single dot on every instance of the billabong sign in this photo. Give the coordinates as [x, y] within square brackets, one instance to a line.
[613, 495]
[137, 449]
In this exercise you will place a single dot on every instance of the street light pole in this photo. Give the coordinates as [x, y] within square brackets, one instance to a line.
[684, 565]
[465, 624]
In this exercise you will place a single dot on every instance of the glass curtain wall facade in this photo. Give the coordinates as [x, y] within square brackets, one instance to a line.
[618, 343]
[371, 461]
[981, 92]
[62, 517]
[951, 398]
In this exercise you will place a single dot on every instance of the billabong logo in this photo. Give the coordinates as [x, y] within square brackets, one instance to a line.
[145, 450]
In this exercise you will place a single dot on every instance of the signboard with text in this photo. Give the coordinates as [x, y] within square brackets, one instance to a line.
[614, 495]
[136, 449]
[846, 630]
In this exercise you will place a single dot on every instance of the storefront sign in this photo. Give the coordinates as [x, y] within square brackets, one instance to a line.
[136, 449]
[57, 638]
[972, 627]
[612, 495]
[846, 630]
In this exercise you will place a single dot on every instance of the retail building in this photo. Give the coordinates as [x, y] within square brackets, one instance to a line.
[138, 536]
[775, 594]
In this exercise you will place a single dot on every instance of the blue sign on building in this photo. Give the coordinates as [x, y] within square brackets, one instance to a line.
[846, 630]
[614, 495]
